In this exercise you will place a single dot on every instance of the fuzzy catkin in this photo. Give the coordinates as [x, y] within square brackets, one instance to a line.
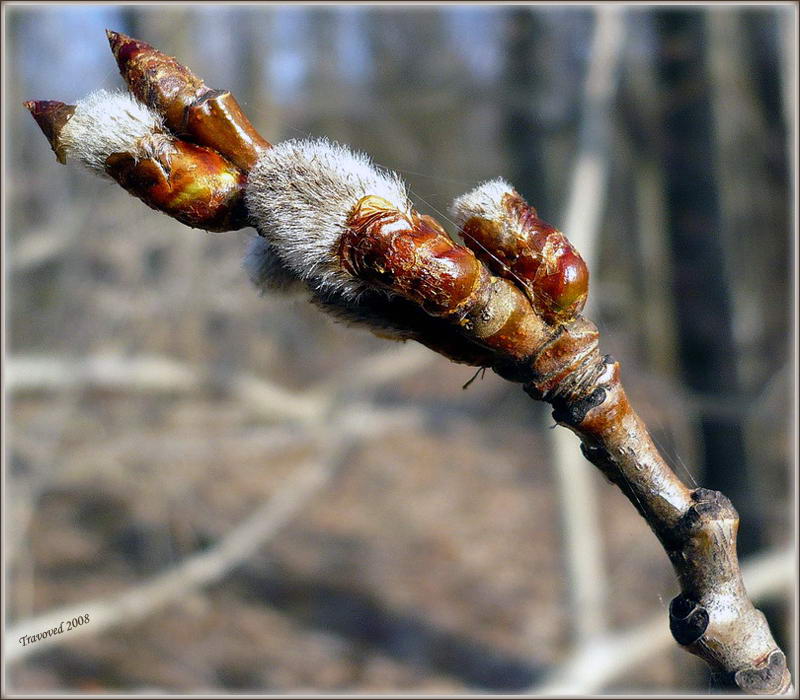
[110, 122]
[266, 270]
[299, 196]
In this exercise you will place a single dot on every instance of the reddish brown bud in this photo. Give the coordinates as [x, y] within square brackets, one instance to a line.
[156, 79]
[534, 255]
[51, 116]
[193, 184]
[412, 256]
[190, 109]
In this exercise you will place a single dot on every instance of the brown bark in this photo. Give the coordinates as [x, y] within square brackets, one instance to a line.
[712, 617]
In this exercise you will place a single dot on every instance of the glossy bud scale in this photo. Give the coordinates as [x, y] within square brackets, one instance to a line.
[510, 238]
[194, 185]
[412, 256]
[190, 108]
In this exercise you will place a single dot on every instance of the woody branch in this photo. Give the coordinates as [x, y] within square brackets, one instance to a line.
[339, 230]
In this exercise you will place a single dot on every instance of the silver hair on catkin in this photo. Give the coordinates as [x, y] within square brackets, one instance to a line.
[110, 122]
[484, 202]
[266, 270]
[299, 196]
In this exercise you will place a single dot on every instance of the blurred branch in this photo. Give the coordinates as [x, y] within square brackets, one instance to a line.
[41, 247]
[402, 360]
[577, 498]
[37, 455]
[206, 568]
[789, 79]
[592, 666]
[196, 572]
[34, 374]
[151, 375]
[28, 374]
[587, 188]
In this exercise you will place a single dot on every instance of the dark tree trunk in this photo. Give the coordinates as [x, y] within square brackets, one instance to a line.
[702, 295]
[524, 132]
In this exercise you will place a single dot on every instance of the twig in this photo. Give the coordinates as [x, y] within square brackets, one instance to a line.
[592, 666]
[712, 617]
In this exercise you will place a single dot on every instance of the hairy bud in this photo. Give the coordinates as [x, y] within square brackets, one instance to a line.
[388, 317]
[507, 234]
[347, 229]
[266, 270]
[104, 123]
[300, 194]
[113, 134]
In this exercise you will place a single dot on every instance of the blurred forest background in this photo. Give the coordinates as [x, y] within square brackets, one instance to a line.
[245, 496]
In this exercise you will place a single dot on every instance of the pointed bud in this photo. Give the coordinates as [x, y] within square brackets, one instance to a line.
[114, 135]
[156, 79]
[190, 109]
[51, 116]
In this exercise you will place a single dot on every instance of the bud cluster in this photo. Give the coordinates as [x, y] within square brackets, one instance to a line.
[331, 223]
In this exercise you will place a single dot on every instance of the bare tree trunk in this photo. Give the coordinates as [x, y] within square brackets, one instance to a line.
[527, 39]
[701, 285]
